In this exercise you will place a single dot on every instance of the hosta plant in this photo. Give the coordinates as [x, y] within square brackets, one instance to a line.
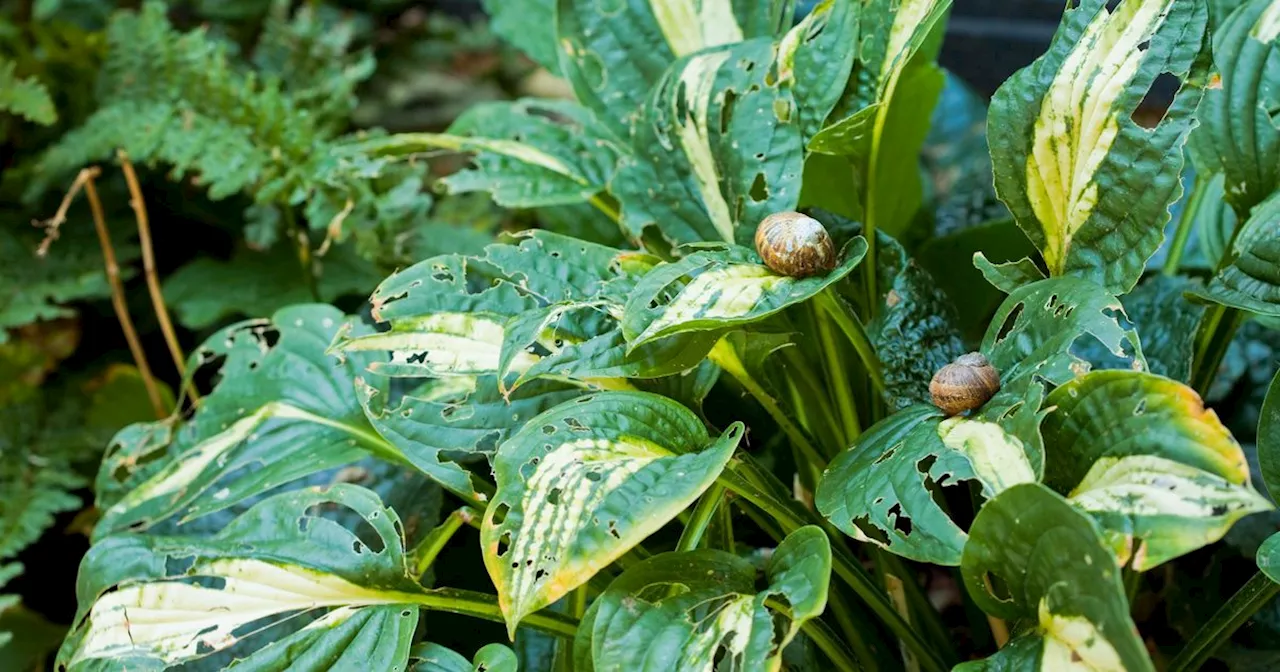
[679, 456]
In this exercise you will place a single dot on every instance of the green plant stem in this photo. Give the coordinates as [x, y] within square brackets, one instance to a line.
[821, 635]
[1248, 600]
[304, 251]
[852, 328]
[483, 605]
[815, 403]
[740, 477]
[728, 360]
[426, 551]
[707, 506]
[840, 388]
[917, 601]
[1186, 222]
[606, 204]
[1217, 328]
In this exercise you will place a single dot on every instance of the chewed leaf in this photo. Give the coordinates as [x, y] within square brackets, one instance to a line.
[1010, 275]
[1033, 332]
[1153, 509]
[181, 598]
[883, 489]
[715, 290]
[1032, 556]
[581, 484]
[1126, 413]
[1087, 183]
[716, 614]
[1251, 281]
[282, 410]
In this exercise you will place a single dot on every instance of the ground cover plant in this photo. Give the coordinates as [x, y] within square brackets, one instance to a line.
[808, 359]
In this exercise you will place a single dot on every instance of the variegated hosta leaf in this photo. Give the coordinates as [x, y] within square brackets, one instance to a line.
[1034, 332]
[447, 420]
[528, 153]
[1239, 133]
[1142, 455]
[882, 490]
[183, 598]
[715, 616]
[1032, 556]
[584, 482]
[1087, 184]
[1153, 509]
[719, 289]
[1251, 281]
[282, 410]
[614, 53]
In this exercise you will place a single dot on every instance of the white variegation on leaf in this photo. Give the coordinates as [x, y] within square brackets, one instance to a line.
[1074, 643]
[440, 344]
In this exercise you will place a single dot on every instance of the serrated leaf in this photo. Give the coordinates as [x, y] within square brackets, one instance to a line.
[1050, 567]
[1088, 185]
[640, 623]
[584, 482]
[1251, 281]
[1269, 438]
[1239, 134]
[181, 598]
[282, 409]
[1153, 509]
[720, 289]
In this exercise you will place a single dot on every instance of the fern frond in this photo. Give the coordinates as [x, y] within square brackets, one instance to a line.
[25, 97]
[36, 478]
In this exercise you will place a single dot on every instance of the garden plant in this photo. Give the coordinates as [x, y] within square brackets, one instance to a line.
[801, 365]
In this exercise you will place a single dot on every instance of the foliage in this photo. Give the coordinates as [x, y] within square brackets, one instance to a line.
[674, 455]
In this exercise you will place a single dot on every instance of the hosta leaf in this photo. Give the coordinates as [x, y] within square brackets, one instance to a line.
[450, 419]
[1087, 184]
[528, 153]
[1152, 509]
[883, 489]
[1251, 282]
[1032, 556]
[182, 598]
[527, 25]
[717, 289]
[815, 53]
[282, 409]
[584, 482]
[1167, 322]
[1239, 134]
[1269, 557]
[716, 614]
[1269, 438]
[428, 657]
[1009, 275]
[614, 53]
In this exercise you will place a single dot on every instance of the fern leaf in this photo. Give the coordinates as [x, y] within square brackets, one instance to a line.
[25, 97]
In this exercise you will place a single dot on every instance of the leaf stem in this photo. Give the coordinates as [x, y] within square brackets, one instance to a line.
[853, 330]
[821, 635]
[707, 506]
[1248, 600]
[117, 294]
[605, 204]
[843, 395]
[426, 551]
[1217, 328]
[305, 261]
[1186, 222]
[483, 605]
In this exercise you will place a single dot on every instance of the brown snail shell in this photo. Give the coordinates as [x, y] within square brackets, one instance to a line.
[964, 384]
[794, 244]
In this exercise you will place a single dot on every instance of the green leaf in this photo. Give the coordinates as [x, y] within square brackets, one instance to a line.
[181, 598]
[815, 53]
[1251, 281]
[640, 622]
[435, 658]
[614, 54]
[1167, 322]
[1239, 134]
[1009, 275]
[282, 410]
[1269, 557]
[525, 24]
[972, 297]
[1269, 438]
[883, 489]
[1087, 184]
[1032, 556]
[720, 289]
[25, 97]
[581, 484]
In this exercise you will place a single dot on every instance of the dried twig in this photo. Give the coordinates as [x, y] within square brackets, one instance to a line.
[149, 270]
[52, 226]
[117, 290]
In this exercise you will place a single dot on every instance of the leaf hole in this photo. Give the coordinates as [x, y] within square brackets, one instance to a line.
[593, 476]
[901, 523]
[726, 110]
[499, 514]
[870, 530]
[1010, 322]
[888, 454]
[504, 544]
[1155, 102]
[553, 497]
[759, 189]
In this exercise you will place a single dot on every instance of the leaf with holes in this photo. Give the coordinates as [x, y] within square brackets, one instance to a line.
[1086, 183]
[1032, 556]
[1009, 275]
[1251, 281]
[584, 482]
[281, 410]
[528, 153]
[716, 613]
[183, 598]
[720, 289]
[1239, 134]
[883, 489]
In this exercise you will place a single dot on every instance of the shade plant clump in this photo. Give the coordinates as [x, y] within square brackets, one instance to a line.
[682, 453]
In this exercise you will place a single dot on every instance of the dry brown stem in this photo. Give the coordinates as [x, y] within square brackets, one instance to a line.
[53, 226]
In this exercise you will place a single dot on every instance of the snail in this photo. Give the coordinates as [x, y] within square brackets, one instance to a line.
[964, 384]
[794, 244]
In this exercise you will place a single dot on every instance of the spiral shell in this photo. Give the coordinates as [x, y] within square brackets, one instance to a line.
[965, 384]
[794, 244]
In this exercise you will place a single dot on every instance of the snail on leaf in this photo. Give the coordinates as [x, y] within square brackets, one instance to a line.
[965, 384]
[795, 245]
